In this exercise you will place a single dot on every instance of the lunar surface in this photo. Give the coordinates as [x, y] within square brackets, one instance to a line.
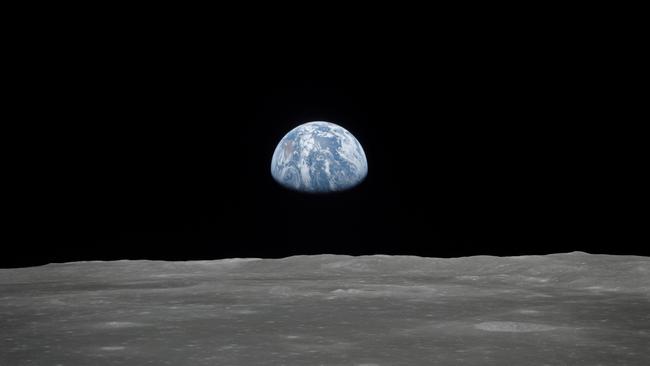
[564, 309]
[319, 157]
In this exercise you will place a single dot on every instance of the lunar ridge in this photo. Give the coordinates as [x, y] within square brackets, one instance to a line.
[572, 308]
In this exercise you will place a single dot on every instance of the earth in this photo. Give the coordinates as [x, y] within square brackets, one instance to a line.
[319, 157]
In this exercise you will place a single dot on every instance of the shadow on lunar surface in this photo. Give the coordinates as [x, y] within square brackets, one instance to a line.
[574, 308]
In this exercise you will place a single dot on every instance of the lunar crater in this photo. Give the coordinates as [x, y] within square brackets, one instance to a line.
[515, 327]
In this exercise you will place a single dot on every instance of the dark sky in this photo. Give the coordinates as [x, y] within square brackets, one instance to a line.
[154, 144]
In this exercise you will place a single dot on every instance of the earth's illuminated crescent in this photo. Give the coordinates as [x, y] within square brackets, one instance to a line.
[319, 157]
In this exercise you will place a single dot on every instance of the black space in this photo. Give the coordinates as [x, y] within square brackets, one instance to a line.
[144, 142]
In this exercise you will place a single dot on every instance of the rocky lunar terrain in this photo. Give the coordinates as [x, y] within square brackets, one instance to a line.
[563, 309]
